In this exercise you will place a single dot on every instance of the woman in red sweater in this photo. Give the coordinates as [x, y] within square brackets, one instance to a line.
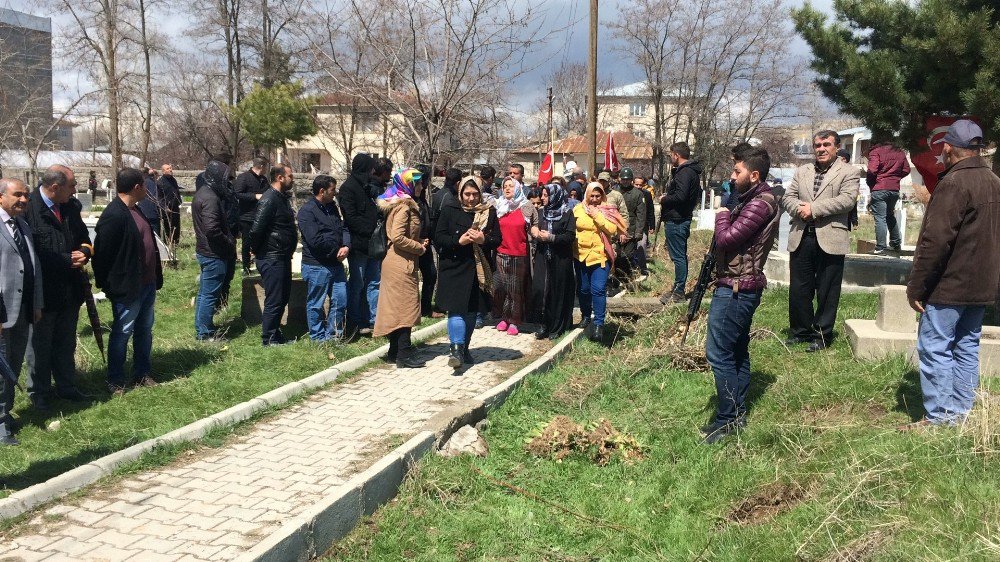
[512, 282]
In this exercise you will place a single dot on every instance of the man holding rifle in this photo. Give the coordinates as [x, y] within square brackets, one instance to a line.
[743, 238]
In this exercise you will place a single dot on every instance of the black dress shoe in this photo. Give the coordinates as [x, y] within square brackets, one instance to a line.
[795, 340]
[40, 403]
[710, 427]
[816, 346]
[409, 363]
[73, 395]
[597, 334]
[467, 356]
[541, 334]
[584, 323]
[455, 356]
[9, 440]
[388, 358]
[719, 434]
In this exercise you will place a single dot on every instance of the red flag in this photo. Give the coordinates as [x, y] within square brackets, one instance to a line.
[611, 162]
[927, 157]
[545, 174]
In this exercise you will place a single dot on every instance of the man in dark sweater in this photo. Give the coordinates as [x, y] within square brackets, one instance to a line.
[170, 204]
[361, 214]
[743, 240]
[248, 188]
[127, 268]
[62, 243]
[325, 244]
[677, 206]
[273, 238]
[215, 247]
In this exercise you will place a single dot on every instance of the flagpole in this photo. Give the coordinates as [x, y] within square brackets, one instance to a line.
[592, 91]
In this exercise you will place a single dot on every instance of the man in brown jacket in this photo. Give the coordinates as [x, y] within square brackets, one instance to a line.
[819, 199]
[956, 273]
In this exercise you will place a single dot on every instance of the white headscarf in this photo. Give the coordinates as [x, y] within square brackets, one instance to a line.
[505, 205]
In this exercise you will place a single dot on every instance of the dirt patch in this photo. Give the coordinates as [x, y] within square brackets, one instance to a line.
[577, 388]
[767, 503]
[862, 549]
[840, 415]
[600, 442]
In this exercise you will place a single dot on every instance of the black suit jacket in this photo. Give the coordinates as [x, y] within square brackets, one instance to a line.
[118, 254]
[54, 242]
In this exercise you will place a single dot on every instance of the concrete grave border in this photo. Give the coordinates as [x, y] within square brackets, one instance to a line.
[312, 533]
[31, 497]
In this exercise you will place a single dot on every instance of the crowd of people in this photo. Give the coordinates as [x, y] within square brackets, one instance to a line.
[379, 252]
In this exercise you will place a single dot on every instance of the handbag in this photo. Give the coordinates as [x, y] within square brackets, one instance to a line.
[378, 246]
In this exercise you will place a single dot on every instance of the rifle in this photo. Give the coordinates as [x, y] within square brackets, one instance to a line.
[704, 280]
[656, 234]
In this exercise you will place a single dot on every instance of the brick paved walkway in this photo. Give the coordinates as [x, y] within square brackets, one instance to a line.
[216, 507]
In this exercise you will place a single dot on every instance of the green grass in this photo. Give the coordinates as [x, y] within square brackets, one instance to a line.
[823, 423]
[197, 380]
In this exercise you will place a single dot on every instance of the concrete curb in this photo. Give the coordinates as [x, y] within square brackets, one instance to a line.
[31, 497]
[315, 531]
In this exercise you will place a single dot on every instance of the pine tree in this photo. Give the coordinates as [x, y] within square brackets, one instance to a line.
[892, 63]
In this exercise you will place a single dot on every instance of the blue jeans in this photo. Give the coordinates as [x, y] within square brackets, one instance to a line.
[677, 234]
[592, 290]
[362, 290]
[325, 282]
[727, 351]
[460, 327]
[883, 208]
[132, 320]
[948, 349]
[211, 286]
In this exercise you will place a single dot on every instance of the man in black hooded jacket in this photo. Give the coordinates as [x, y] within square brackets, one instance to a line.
[361, 215]
[215, 246]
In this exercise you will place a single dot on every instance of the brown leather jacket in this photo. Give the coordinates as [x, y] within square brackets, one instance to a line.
[957, 261]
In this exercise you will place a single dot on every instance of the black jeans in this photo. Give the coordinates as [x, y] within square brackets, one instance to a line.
[245, 249]
[814, 274]
[399, 343]
[51, 351]
[428, 275]
[276, 278]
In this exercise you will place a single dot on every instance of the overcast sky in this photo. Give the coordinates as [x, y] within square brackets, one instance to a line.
[571, 14]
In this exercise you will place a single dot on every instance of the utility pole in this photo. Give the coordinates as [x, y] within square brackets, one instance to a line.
[592, 92]
[552, 132]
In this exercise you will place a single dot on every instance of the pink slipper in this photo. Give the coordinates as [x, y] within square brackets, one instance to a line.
[502, 326]
[512, 330]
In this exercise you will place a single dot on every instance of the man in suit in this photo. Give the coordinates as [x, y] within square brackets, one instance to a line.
[21, 297]
[170, 204]
[63, 245]
[127, 268]
[819, 199]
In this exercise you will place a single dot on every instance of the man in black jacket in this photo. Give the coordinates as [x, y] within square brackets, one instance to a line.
[215, 247]
[273, 238]
[325, 243]
[62, 243]
[170, 204]
[127, 268]
[249, 187]
[361, 215]
[677, 206]
[150, 205]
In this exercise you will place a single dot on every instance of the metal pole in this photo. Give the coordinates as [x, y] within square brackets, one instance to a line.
[592, 92]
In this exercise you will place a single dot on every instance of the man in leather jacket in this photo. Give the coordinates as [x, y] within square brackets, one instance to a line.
[273, 238]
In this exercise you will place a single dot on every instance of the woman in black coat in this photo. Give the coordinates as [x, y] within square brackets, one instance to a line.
[554, 261]
[466, 229]
[428, 271]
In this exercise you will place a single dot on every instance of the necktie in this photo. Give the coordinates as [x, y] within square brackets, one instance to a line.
[55, 211]
[18, 239]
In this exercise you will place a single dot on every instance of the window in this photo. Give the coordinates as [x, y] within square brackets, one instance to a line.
[637, 110]
[311, 162]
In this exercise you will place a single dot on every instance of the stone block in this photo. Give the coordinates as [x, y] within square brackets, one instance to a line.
[333, 520]
[253, 302]
[291, 543]
[894, 312]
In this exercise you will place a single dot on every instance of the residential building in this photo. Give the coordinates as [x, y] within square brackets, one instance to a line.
[26, 76]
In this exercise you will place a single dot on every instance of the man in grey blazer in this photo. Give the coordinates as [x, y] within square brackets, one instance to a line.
[20, 292]
[819, 200]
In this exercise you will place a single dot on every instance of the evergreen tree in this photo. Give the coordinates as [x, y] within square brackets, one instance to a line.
[892, 63]
[271, 117]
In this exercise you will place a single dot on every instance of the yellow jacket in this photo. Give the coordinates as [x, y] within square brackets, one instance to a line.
[589, 248]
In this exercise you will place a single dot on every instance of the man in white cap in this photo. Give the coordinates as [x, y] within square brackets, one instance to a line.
[956, 273]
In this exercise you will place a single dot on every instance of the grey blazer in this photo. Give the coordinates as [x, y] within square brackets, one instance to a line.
[12, 272]
[836, 197]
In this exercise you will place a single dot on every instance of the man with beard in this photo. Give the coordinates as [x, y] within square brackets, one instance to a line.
[677, 206]
[215, 247]
[635, 204]
[361, 215]
[248, 188]
[273, 238]
[743, 239]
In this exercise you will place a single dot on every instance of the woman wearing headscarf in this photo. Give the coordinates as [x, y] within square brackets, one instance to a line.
[553, 271]
[597, 224]
[517, 218]
[399, 295]
[428, 270]
[466, 229]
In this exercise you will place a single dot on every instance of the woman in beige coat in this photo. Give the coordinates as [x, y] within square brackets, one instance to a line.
[399, 293]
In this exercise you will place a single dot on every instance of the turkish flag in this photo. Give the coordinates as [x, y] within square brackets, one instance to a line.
[545, 173]
[928, 158]
[611, 162]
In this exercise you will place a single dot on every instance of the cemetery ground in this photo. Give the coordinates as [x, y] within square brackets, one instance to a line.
[196, 380]
[820, 473]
